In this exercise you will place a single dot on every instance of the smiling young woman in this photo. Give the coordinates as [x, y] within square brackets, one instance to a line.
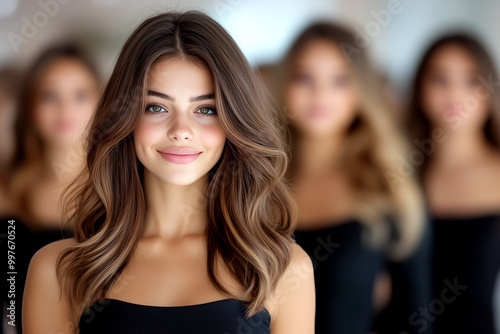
[183, 221]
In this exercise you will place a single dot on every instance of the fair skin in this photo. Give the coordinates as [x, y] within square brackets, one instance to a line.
[321, 101]
[65, 100]
[169, 267]
[463, 177]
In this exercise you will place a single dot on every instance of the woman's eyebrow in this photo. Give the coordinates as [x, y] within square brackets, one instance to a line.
[202, 97]
[192, 99]
[161, 95]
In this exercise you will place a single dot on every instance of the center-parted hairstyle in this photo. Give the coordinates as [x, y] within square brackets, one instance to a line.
[250, 210]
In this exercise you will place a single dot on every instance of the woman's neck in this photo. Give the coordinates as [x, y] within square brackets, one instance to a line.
[63, 162]
[174, 212]
[317, 155]
[460, 149]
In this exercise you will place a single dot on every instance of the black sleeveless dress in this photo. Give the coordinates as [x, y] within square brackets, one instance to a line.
[466, 265]
[345, 270]
[225, 316]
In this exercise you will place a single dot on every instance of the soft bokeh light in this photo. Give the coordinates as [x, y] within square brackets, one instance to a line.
[8, 7]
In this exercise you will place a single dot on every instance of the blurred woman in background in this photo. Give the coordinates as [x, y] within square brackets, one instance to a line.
[361, 223]
[57, 100]
[454, 122]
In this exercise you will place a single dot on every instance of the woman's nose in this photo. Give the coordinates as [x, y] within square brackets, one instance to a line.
[179, 128]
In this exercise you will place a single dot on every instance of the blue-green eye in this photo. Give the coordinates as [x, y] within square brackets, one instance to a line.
[155, 109]
[206, 111]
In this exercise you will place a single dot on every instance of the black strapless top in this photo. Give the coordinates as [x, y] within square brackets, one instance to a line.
[226, 316]
[345, 272]
[466, 265]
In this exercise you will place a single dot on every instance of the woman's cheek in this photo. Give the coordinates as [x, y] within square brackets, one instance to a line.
[83, 115]
[296, 100]
[433, 104]
[45, 120]
[212, 136]
[148, 133]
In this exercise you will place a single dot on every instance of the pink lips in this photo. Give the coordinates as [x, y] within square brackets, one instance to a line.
[454, 109]
[318, 113]
[179, 155]
[65, 126]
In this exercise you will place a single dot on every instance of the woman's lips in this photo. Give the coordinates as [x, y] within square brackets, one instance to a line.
[65, 126]
[179, 155]
[454, 109]
[318, 113]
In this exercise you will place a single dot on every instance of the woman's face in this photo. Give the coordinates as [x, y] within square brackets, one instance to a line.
[179, 138]
[451, 96]
[65, 100]
[320, 99]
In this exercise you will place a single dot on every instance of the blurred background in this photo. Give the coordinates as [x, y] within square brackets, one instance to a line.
[394, 34]
[263, 29]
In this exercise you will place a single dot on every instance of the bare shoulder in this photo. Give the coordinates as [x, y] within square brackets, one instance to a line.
[43, 265]
[292, 306]
[45, 307]
[298, 274]
[299, 257]
[45, 258]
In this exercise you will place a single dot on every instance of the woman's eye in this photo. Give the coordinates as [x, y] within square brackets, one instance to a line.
[303, 78]
[81, 96]
[340, 81]
[206, 111]
[48, 97]
[155, 109]
[472, 82]
[439, 80]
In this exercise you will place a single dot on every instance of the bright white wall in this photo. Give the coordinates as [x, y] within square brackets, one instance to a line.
[263, 28]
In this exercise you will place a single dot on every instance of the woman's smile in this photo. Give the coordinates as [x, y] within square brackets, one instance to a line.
[179, 155]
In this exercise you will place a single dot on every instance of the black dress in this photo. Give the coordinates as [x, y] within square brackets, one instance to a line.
[225, 316]
[466, 264]
[345, 272]
[27, 242]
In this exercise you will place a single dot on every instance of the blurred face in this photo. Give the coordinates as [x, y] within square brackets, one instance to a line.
[451, 92]
[179, 138]
[320, 98]
[65, 101]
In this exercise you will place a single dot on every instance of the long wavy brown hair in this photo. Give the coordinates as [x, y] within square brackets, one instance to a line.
[419, 125]
[249, 206]
[371, 149]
